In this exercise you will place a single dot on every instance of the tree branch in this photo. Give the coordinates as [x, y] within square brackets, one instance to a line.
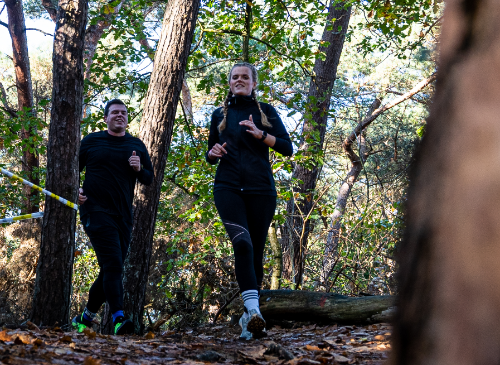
[41, 31]
[369, 119]
[237, 32]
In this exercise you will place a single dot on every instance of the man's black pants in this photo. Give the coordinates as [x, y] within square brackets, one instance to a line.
[110, 237]
[247, 218]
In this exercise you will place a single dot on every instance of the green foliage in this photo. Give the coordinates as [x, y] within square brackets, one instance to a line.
[390, 46]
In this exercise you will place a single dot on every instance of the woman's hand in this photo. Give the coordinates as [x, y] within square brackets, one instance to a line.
[254, 131]
[217, 151]
[81, 198]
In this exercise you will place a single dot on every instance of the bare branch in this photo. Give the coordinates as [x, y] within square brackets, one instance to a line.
[41, 31]
[370, 118]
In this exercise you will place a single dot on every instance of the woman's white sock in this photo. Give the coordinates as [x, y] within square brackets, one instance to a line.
[251, 299]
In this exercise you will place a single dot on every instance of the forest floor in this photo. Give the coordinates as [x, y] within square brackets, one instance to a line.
[302, 344]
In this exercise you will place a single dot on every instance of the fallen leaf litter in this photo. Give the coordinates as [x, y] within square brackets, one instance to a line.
[204, 345]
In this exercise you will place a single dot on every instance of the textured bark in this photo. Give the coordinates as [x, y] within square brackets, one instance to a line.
[246, 35]
[298, 305]
[51, 7]
[449, 272]
[296, 231]
[277, 257]
[17, 30]
[51, 302]
[156, 133]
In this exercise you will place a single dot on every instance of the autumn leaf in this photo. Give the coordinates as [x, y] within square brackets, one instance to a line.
[66, 339]
[312, 348]
[89, 360]
[5, 337]
[32, 326]
[89, 333]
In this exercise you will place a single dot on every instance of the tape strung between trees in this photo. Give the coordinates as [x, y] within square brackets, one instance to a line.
[36, 187]
[21, 217]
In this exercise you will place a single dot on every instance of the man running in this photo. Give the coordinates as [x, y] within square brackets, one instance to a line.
[114, 160]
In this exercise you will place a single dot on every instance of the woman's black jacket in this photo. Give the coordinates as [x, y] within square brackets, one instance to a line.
[245, 167]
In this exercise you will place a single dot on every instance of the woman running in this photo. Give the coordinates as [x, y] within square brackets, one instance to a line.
[241, 133]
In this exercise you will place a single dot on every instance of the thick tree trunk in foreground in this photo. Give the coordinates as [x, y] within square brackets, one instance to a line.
[51, 302]
[298, 305]
[17, 30]
[156, 133]
[449, 271]
[296, 230]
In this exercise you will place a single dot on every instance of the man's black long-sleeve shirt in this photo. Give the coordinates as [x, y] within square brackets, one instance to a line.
[109, 179]
[245, 167]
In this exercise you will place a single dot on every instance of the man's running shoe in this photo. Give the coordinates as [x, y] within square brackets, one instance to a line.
[256, 324]
[245, 334]
[80, 323]
[123, 326]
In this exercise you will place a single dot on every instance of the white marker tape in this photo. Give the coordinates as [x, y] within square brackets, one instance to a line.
[22, 217]
[36, 187]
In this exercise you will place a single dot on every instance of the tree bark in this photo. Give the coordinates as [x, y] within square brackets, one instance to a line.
[298, 305]
[17, 30]
[277, 257]
[449, 272]
[156, 133]
[51, 302]
[296, 230]
[246, 36]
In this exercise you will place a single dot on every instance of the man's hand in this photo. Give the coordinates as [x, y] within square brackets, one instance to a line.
[217, 151]
[254, 131]
[135, 162]
[81, 198]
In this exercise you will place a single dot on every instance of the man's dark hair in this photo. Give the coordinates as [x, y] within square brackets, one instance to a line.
[111, 102]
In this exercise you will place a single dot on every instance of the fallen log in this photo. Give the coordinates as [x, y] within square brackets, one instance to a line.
[298, 305]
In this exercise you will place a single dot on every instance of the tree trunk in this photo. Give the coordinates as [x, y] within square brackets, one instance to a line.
[298, 305]
[296, 230]
[346, 187]
[156, 133]
[449, 272]
[51, 302]
[246, 36]
[332, 240]
[277, 257]
[17, 30]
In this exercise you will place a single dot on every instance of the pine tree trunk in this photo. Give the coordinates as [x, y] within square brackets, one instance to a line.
[17, 30]
[449, 273]
[332, 240]
[296, 230]
[51, 302]
[277, 257]
[156, 133]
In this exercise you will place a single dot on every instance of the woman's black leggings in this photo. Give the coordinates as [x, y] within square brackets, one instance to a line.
[247, 218]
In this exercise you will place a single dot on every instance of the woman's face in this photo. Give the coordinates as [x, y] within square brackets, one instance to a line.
[241, 82]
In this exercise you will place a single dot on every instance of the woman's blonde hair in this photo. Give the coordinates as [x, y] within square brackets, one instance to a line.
[255, 78]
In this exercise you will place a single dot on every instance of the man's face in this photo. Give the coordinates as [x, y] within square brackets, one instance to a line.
[117, 119]
[241, 82]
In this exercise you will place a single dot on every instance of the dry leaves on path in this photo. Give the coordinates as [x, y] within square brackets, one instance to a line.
[217, 345]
